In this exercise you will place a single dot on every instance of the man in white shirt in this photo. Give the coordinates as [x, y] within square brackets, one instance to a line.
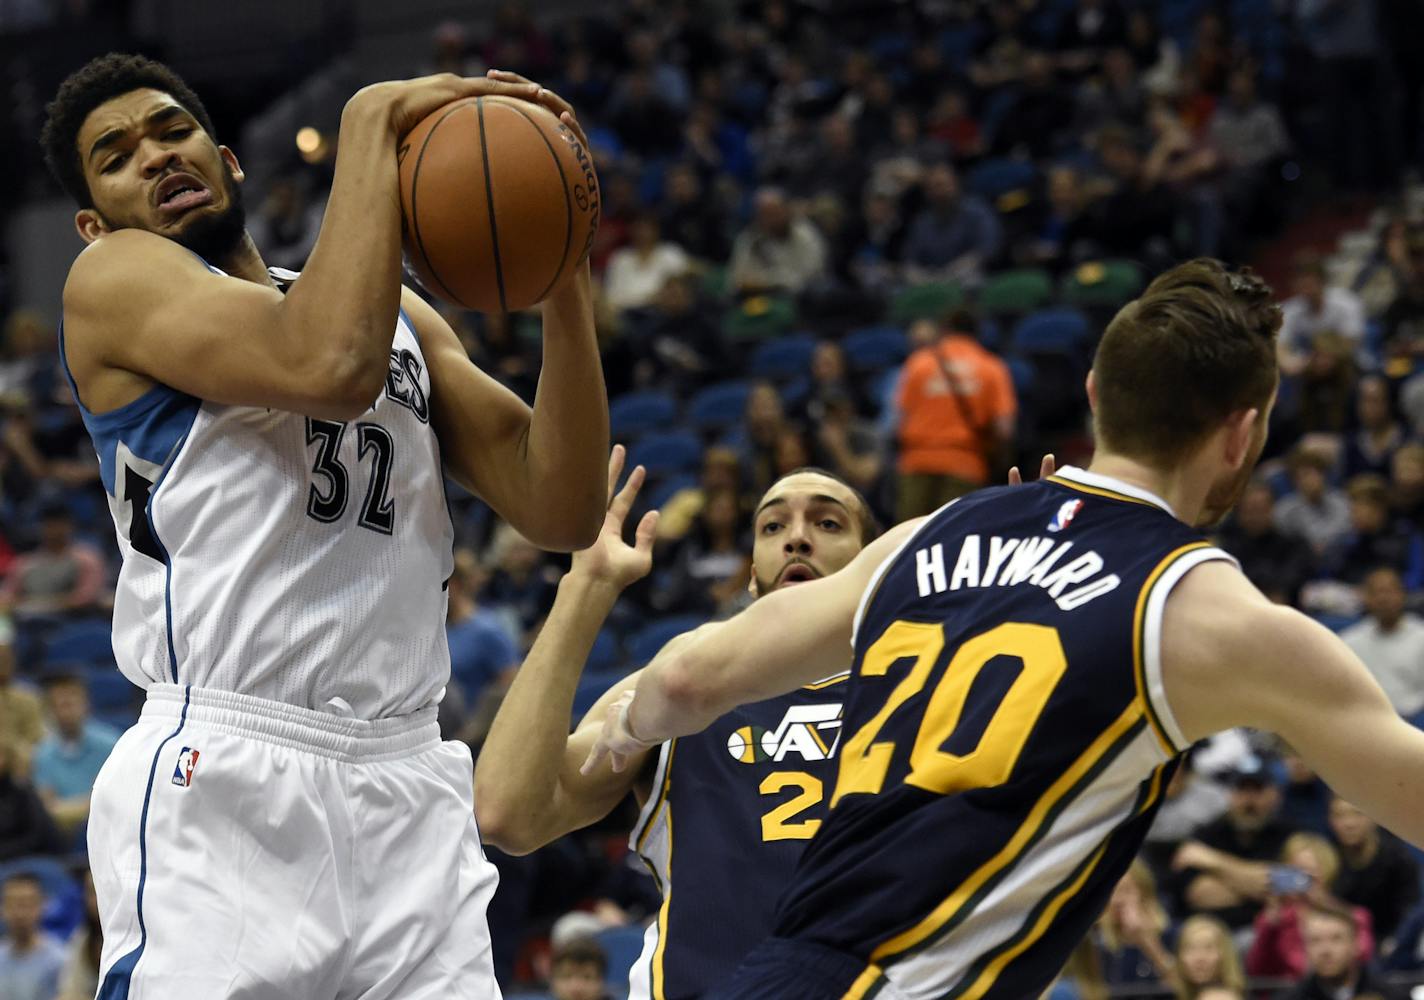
[1315, 308]
[1390, 641]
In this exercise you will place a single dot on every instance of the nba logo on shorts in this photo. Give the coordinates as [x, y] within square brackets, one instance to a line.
[183, 772]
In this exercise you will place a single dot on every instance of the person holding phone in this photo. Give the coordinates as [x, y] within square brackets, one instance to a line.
[1301, 884]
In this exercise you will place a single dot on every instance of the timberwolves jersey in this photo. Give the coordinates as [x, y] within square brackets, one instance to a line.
[1006, 740]
[282, 556]
[731, 810]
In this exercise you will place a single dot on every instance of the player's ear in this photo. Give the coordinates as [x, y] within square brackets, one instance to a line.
[230, 158]
[1092, 387]
[89, 224]
[1240, 429]
[752, 587]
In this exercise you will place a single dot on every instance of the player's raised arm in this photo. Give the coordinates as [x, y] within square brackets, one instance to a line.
[784, 640]
[1232, 658]
[528, 788]
[137, 301]
[542, 470]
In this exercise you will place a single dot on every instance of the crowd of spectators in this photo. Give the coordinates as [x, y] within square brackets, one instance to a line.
[819, 251]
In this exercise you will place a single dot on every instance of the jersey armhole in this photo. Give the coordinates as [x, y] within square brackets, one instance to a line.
[657, 795]
[1150, 682]
[873, 587]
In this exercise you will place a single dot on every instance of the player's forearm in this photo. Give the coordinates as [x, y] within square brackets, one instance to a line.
[347, 299]
[517, 800]
[567, 444]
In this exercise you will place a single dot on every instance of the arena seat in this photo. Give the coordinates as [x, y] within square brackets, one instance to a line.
[1102, 284]
[640, 412]
[668, 453]
[876, 348]
[668, 488]
[996, 177]
[80, 642]
[719, 406]
[784, 357]
[109, 689]
[758, 318]
[1052, 331]
[644, 644]
[1015, 292]
[927, 301]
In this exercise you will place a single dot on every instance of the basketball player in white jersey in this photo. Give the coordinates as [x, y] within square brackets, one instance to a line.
[283, 820]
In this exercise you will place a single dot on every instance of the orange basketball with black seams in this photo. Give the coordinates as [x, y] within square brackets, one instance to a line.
[499, 202]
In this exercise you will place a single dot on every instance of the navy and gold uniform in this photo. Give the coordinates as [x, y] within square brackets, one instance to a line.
[1006, 743]
[732, 809]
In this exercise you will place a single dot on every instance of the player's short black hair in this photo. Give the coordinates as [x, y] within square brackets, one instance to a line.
[864, 516]
[101, 79]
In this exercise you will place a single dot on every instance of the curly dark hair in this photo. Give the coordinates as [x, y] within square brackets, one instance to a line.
[102, 79]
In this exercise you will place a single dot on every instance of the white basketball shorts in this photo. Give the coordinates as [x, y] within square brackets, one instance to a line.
[243, 848]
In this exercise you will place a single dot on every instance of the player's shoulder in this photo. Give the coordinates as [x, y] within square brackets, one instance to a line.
[124, 259]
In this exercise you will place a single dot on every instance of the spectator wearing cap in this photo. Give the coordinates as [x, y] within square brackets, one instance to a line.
[1225, 867]
[577, 971]
[1390, 641]
[1334, 969]
[1316, 306]
[1278, 946]
[957, 413]
[1314, 512]
[954, 236]
[1376, 538]
[778, 252]
[1278, 565]
[1376, 871]
[67, 762]
[60, 575]
[30, 959]
[1378, 435]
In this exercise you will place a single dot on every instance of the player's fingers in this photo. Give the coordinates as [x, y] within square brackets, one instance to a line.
[615, 469]
[595, 756]
[1014, 478]
[1047, 467]
[506, 76]
[623, 500]
[568, 119]
[647, 532]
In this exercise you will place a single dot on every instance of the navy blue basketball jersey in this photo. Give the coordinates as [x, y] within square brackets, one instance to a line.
[1005, 740]
[731, 811]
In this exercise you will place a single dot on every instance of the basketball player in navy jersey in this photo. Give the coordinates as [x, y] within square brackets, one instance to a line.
[284, 820]
[1027, 665]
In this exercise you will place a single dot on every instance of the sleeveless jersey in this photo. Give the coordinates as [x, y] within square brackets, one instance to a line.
[731, 811]
[281, 556]
[1006, 740]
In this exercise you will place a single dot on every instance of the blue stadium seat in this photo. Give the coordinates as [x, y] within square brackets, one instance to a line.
[117, 718]
[81, 642]
[623, 945]
[1023, 374]
[719, 405]
[666, 454]
[999, 176]
[640, 412]
[1335, 623]
[109, 689]
[876, 348]
[784, 357]
[1052, 331]
[606, 653]
[669, 488]
[644, 644]
[591, 687]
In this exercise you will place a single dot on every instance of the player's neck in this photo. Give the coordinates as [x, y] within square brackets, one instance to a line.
[246, 263]
[1183, 491]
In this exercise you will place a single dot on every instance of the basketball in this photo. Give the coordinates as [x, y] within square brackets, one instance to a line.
[499, 202]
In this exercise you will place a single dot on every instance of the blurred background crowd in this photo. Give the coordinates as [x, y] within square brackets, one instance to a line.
[877, 237]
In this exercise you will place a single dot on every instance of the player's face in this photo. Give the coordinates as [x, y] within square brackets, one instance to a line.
[806, 528]
[149, 165]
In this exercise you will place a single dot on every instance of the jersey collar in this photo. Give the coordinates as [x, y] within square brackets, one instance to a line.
[1074, 476]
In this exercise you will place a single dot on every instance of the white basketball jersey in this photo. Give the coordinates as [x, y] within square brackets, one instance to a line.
[281, 556]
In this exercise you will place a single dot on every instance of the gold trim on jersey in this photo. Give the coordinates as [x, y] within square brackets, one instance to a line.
[1022, 839]
[827, 682]
[656, 981]
[866, 985]
[1099, 491]
[1139, 634]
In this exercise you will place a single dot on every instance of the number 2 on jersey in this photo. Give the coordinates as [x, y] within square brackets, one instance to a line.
[865, 762]
[781, 823]
[327, 506]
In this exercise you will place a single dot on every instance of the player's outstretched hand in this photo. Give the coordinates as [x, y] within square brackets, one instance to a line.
[1046, 468]
[561, 108]
[617, 741]
[610, 559]
[406, 102]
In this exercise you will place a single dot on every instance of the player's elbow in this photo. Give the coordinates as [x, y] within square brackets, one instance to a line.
[505, 828]
[688, 689]
[348, 387]
[565, 527]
